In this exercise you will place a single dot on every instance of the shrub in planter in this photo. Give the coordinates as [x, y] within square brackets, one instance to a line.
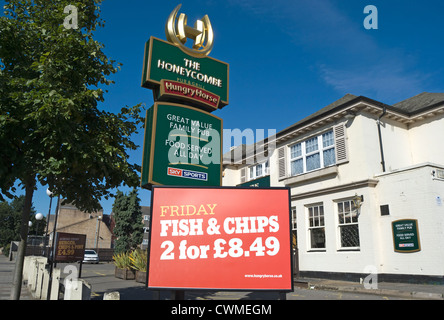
[138, 263]
[125, 274]
[140, 276]
[123, 266]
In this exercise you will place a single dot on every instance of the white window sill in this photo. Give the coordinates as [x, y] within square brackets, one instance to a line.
[349, 249]
[321, 173]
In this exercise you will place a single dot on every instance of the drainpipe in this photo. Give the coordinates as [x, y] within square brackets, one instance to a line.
[380, 138]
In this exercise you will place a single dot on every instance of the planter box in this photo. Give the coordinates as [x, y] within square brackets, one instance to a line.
[124, 274]
[140, 276]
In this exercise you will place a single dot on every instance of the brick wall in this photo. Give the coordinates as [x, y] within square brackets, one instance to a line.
[73, 220]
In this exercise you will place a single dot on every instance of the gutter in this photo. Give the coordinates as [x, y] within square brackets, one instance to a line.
[380, 138]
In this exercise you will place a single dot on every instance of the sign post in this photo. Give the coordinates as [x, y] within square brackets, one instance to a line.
[70, 247]
[183, 140]
[203, 236]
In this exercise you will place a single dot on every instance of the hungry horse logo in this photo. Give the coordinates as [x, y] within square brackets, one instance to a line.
[177, 32]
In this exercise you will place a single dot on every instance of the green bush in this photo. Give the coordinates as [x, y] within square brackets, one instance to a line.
[122, 260]
[6, 249]
[138, 260]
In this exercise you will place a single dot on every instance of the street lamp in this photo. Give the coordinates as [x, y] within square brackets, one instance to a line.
[99, 218]
[50, 195]
[38, 217]
[28, 238]
[357, 201]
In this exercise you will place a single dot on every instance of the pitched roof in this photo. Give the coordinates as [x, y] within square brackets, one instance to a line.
[414, 105]
[420, 102]
[409, 107]
[347, 98]
[238, 154]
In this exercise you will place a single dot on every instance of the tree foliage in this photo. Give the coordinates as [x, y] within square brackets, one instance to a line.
[10, 221]
[10, 214]
[128, 218]
[52, 130]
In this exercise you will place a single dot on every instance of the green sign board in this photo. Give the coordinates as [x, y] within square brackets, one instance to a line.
[165, 61]
[262, 182]
[406, 236]
[182, 147]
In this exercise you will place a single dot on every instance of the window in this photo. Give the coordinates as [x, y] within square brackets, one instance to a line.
[294, 227]
[314, 153]
[385, 211]
[316, 226]
[259, 170]
[297, 165]
[348, 224]
[328, 149]
[312, 160]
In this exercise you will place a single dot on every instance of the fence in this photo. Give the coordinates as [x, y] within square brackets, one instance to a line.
[105, 254]
[39, 246]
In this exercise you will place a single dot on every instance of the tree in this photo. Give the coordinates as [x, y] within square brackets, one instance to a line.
[10, 220]
[51, 127]
[128, 218]
[10, 214]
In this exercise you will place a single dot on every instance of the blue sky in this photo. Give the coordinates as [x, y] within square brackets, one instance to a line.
[287, 58]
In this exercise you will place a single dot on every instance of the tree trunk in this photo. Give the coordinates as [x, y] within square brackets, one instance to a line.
[18, 272]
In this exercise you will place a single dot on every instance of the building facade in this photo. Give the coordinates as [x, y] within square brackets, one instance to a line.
[367, 183]
[94, 225]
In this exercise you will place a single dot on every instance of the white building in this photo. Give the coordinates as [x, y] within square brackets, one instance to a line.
[391, 157]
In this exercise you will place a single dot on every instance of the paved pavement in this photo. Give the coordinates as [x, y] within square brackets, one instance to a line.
[390, 289]
[101, 277]
[102, 280]
[6, 273]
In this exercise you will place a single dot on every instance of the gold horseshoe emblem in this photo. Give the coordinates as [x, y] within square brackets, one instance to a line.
[178, 32]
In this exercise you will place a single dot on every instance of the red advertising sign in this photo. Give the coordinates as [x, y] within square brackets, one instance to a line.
[220, 238]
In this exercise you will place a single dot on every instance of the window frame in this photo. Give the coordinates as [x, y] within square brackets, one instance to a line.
[294, 227]
[253, 170]
[312, 226]
[305, 151]
[353, 221]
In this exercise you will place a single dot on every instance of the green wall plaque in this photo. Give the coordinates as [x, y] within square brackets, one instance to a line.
[406, 236]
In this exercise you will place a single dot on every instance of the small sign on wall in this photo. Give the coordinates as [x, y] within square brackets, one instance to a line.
[406, 236]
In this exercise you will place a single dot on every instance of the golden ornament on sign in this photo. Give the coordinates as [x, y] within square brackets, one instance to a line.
[177, 32]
